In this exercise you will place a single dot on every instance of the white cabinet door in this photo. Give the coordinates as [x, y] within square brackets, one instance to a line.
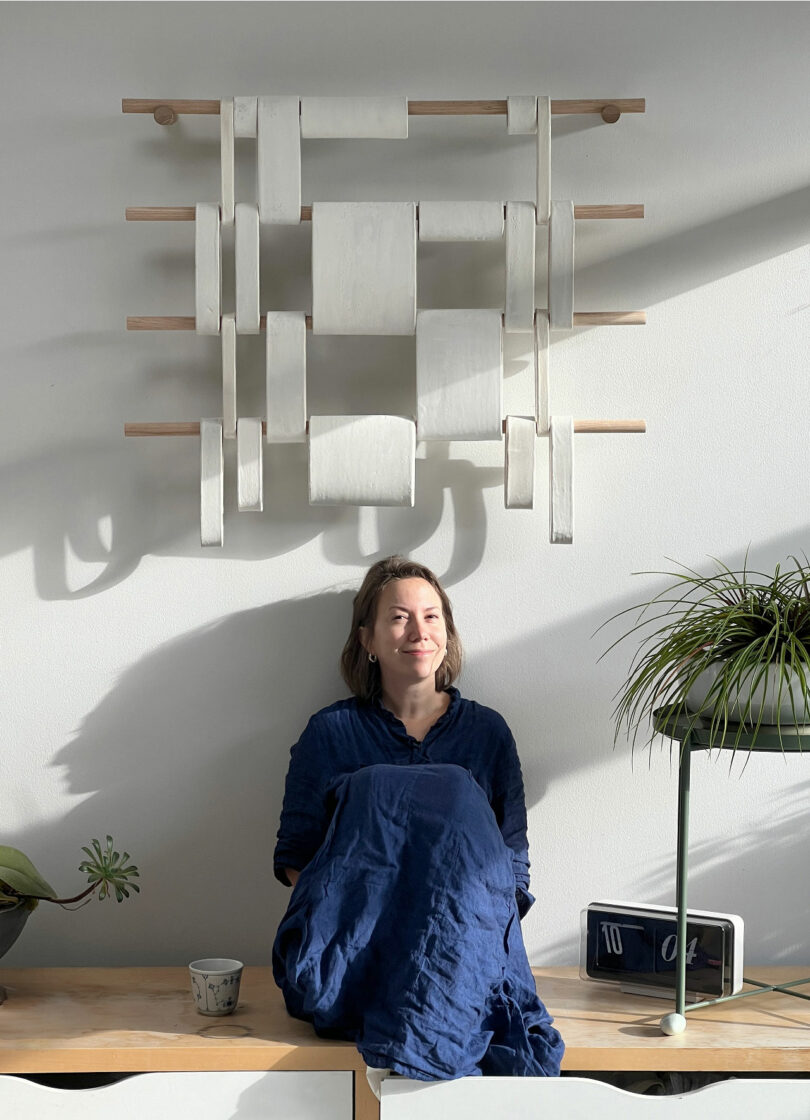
[186, 1096]
[578, 1098]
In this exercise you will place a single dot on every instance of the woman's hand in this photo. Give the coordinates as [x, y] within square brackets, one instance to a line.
[292, 875]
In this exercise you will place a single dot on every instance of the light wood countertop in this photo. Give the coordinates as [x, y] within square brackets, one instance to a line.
[143, 1019]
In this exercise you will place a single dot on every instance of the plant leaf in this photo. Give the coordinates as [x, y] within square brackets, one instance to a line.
[18, 872]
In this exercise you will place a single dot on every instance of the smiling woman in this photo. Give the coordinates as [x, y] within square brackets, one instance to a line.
[403, 832]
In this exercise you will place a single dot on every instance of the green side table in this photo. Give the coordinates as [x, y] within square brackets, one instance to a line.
[693, 734]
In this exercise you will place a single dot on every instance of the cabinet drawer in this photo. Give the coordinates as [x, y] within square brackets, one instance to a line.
[580, 1098]
[178, 1096]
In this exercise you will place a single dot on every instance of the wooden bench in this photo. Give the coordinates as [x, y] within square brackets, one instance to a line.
[123, 1020]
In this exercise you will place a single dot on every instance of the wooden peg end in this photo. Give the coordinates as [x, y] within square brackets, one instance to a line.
[164, 114]
[611, 113]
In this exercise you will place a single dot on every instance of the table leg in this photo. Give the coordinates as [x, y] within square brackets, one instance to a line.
[366, 1105]
[684, 768]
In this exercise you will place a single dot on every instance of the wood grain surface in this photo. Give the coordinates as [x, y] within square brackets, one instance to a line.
[123, 1019]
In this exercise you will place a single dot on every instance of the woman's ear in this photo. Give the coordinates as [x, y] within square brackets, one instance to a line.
[364, 634]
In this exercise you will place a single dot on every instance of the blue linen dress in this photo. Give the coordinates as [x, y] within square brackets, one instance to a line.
[403, 930]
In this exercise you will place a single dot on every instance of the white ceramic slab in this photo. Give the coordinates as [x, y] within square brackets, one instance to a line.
[363, 267]
[244, 117]
[249, 469]
[521, 436]
[343, 118]
[278, 160]
[581, 1098]
[226, 160]
[207, 268]
[212, 484]
[542, 399]
[273, 1095]
[246, 243]
[561, 479]
[286, 377]
[521, 115]
[361, 460]
[460, 221]
[459, 374]
[521, 229]
[543, 159]
[229, 376]
[561, 267]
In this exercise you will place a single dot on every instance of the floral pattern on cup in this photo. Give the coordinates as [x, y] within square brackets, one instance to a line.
[215, 985]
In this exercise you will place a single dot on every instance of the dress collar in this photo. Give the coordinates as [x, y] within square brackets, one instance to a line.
[398, 727]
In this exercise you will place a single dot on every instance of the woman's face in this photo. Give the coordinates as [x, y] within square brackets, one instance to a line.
[409, 636]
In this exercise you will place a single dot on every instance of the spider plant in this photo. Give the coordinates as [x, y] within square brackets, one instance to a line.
[743, 635]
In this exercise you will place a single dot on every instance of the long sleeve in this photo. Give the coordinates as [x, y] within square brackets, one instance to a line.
[305, 813]
[509, 806]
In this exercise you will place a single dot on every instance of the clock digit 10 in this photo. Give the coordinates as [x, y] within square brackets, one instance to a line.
[635, 945]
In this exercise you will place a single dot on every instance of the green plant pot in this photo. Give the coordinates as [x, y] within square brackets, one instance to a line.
[11, 925]
[775, 709]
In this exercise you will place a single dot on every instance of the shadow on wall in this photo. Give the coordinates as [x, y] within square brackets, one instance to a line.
[89, 516]
[56, 502]
[761, 875]
[774, 900]
[76, 506]
[184, 762]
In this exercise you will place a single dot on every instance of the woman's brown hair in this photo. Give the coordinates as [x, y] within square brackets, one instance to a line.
[363, 676]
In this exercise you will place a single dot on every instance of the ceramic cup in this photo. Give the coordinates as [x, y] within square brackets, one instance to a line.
[215, 985]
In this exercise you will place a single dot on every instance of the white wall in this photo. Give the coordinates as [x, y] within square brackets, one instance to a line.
[153, 690]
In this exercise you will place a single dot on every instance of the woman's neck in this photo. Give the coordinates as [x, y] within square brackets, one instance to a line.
[414, 702]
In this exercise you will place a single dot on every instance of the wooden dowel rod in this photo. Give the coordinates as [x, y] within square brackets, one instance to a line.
[627, 210]
[610, 318]
[586, 426]
[195, 107]
[160, 213]
[192, 427]
[415, 108]
[186, 213]
[187, 322]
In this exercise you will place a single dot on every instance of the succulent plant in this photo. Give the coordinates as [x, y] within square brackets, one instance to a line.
[107, 871]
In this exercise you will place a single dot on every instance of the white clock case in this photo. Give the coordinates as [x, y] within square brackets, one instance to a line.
[734, 971]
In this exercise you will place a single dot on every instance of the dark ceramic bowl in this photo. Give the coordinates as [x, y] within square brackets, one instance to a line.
[11, 925]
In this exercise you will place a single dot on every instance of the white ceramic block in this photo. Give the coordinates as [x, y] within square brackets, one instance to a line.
[229, 376]
[459, 374]
[542, 400]
[286, 377]
[278, 156]
[561, 267]
[361, 460]
[344, 118]
[543, 159]
[246, 244]
[520, 234]
[562, 479]
[521, 115]
[244, 117]
[212, 484]
[249, 470]
[207, 269]
[521, 436]
[363, 267]
[226, 160]
[460, 221]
